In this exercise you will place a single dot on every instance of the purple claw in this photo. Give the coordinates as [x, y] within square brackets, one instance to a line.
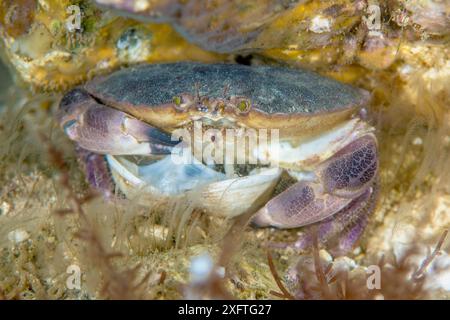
[352, 168]
[105, 130]
[301, 204]
[342, 179]
[347, 226]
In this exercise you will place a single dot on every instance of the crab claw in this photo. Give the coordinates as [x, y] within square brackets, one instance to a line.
[351, 170]
[341, 179]
[301, 204]
[102, 129]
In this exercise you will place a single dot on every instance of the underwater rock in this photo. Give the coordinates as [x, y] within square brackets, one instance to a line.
[53, 45]
[342, 38]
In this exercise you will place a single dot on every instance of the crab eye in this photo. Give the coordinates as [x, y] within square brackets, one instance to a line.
[177, 100]
[243, 105]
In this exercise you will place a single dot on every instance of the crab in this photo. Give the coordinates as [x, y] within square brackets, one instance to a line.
[145, 129]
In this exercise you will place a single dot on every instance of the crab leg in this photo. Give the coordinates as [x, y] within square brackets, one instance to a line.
[96, 171]
[348, 239]
[105, 130]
